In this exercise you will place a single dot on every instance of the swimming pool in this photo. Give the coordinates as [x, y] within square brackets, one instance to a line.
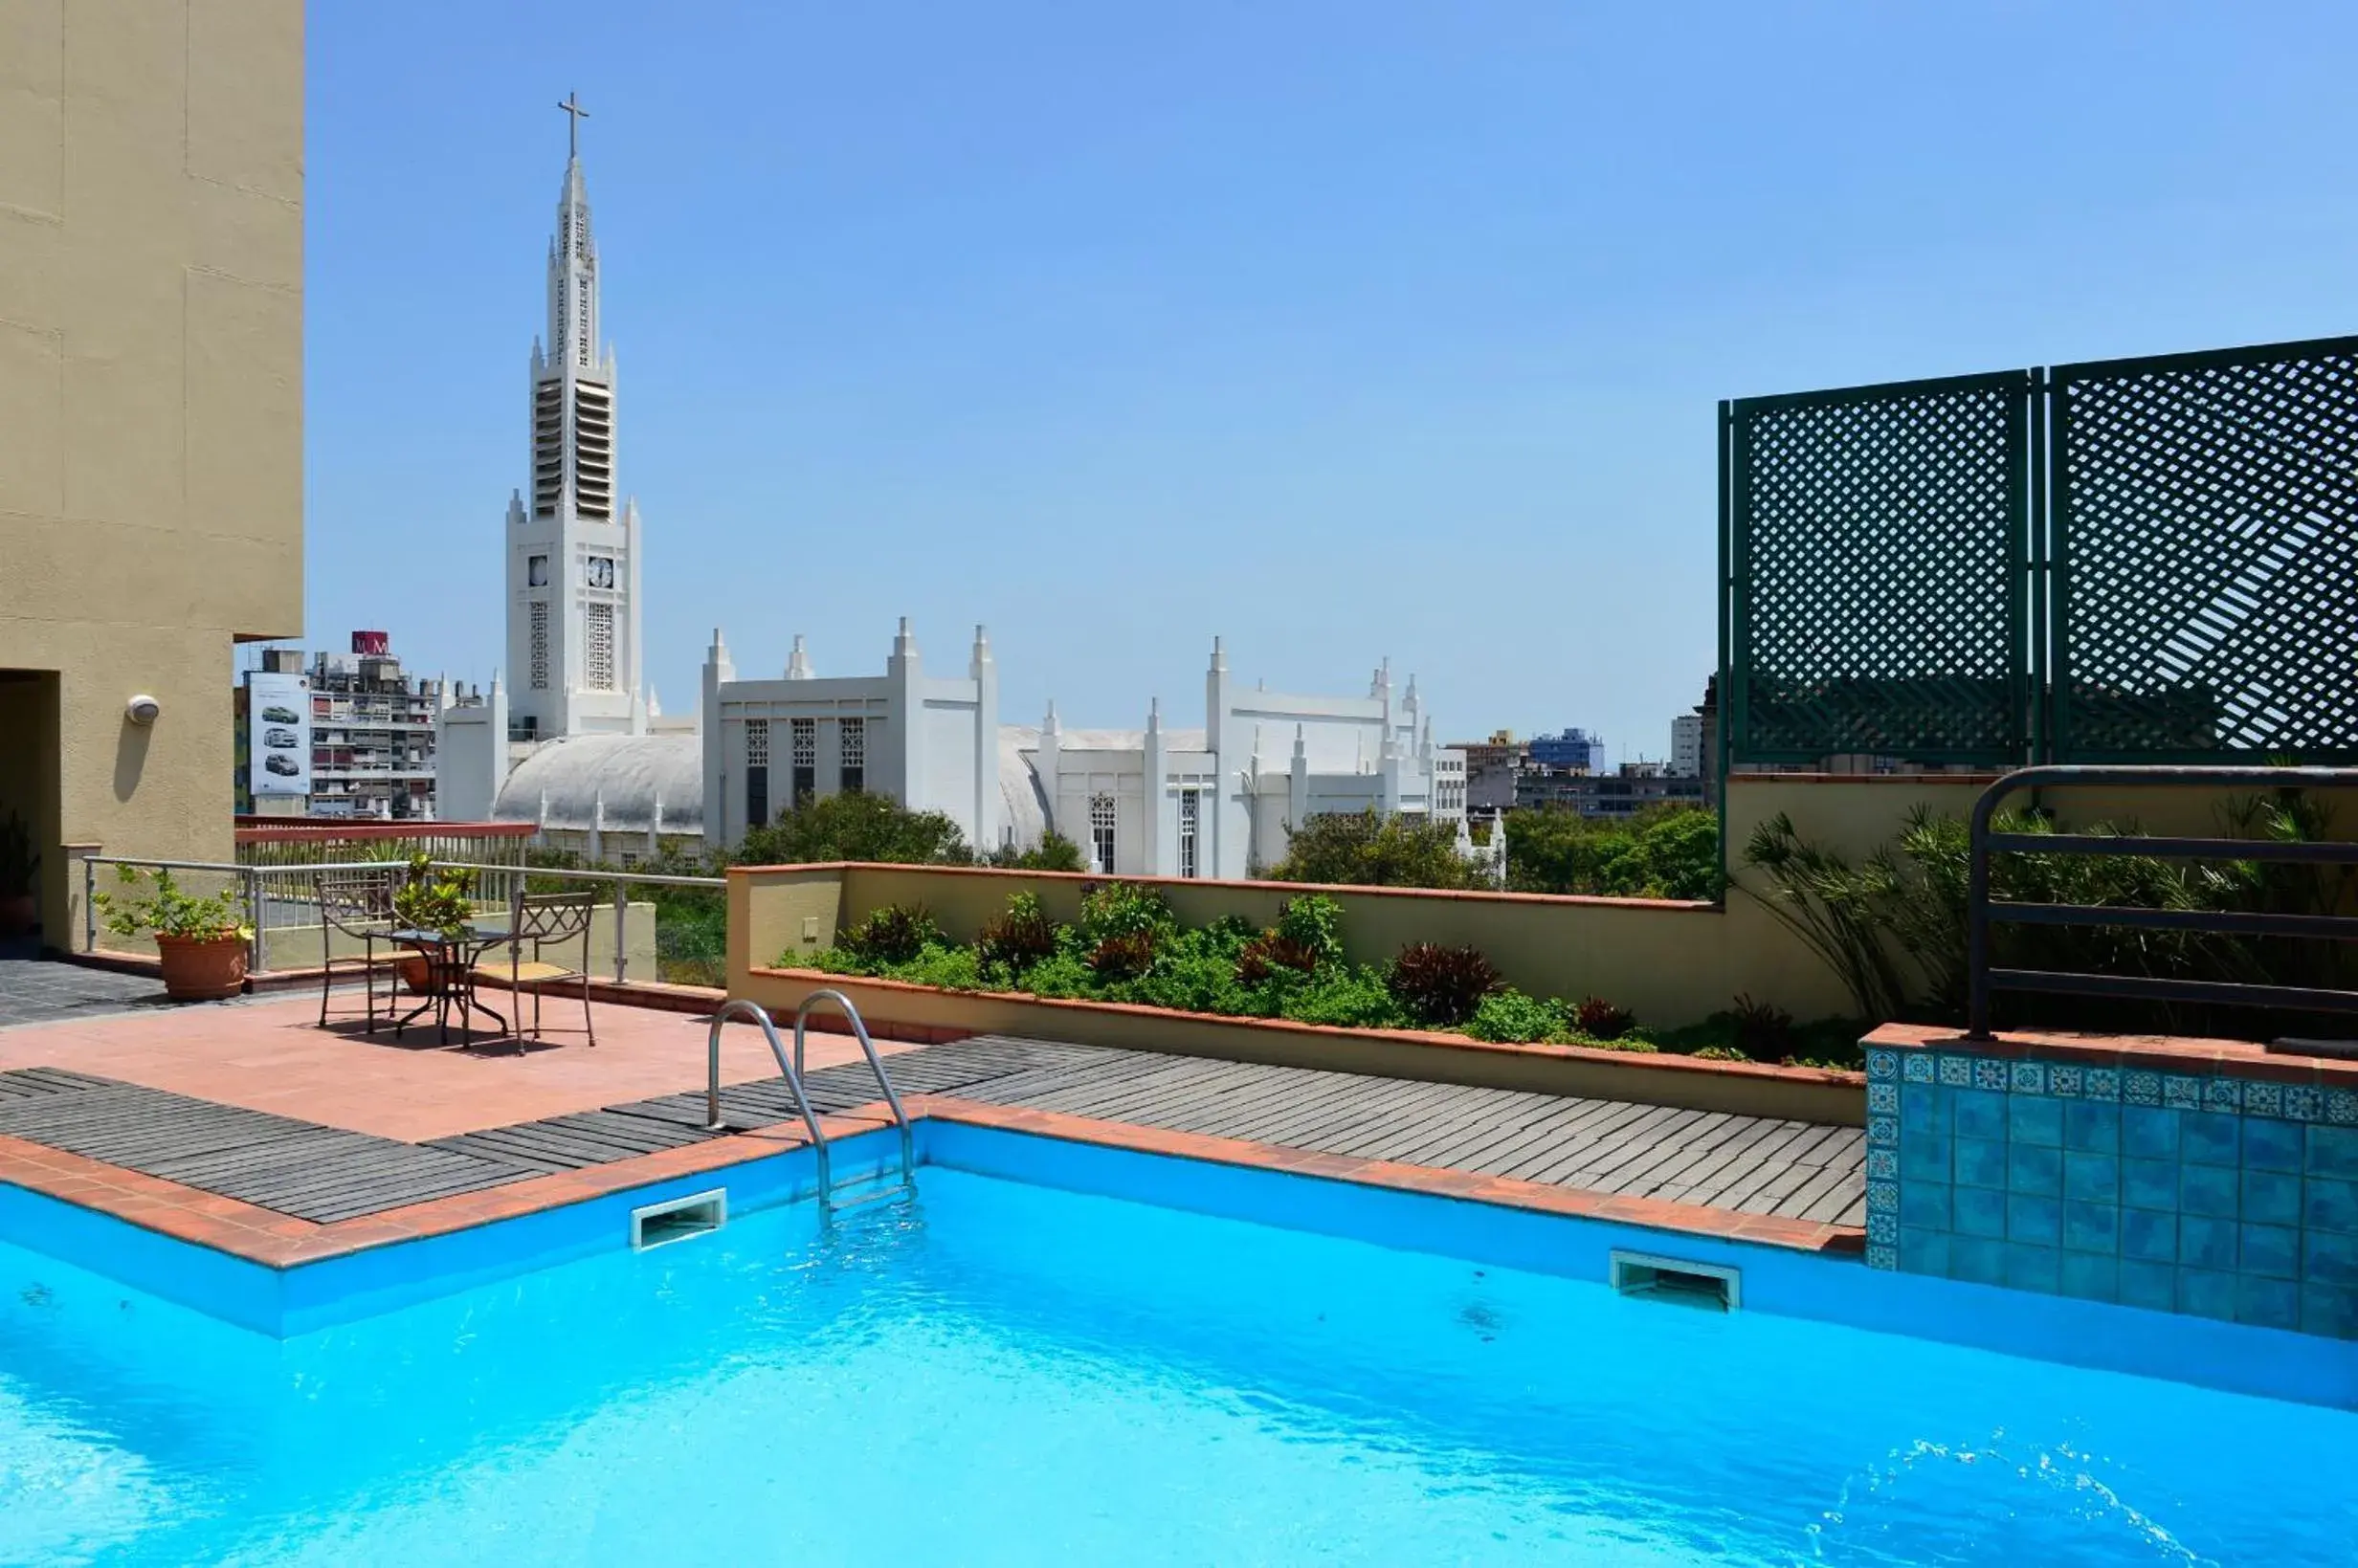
[1017, 1372]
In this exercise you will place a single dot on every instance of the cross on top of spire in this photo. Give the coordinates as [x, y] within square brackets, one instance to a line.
[572, 127]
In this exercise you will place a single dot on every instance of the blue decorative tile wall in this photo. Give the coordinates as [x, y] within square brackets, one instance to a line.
[2202, 1193]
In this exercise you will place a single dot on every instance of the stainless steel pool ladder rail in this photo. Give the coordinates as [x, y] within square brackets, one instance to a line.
[790, 1068]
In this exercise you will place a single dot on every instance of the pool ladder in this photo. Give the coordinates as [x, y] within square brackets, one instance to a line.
[791, 1069]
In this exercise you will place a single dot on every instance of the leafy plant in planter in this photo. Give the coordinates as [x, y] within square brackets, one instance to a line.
[442, 903]
[201, 941]
[1764, 1030]
[1442, 987]
[894, 934]
[1014, 941]
[1509, 1017]
[427, 901]
[1125, 955]
[19, 862]
[1601, 1019]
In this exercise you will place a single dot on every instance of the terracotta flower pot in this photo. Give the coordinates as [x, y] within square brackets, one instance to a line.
[415, 977]
[19, 913]
[202, 968]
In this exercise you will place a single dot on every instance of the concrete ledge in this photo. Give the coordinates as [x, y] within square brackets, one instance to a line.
[1752, 1088]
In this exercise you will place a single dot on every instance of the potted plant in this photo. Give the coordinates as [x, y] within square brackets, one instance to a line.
[202, 941]
[441, 902]
[20, 906]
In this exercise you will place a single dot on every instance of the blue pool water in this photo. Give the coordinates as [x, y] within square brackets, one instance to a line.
[1008, 1373]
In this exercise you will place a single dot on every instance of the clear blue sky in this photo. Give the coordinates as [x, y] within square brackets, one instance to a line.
[1343, 329]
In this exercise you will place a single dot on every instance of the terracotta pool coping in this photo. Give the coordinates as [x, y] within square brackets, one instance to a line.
[2161, 1053]
[277, 1240]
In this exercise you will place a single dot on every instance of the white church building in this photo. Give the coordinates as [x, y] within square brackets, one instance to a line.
[576, 742]
[1215, 802]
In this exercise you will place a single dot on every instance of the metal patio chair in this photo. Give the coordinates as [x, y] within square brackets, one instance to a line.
[543, 924]
[359, 906]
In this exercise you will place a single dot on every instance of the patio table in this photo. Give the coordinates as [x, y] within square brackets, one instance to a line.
[449, 977]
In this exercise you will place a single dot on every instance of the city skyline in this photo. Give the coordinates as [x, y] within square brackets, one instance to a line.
[1212, 338]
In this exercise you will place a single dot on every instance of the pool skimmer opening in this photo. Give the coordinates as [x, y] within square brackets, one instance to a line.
[660, 1224]
[1677, 1282]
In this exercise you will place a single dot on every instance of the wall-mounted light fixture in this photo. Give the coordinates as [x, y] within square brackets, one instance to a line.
[142, 709]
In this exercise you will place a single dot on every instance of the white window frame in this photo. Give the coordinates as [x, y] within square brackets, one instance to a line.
[1104, 819]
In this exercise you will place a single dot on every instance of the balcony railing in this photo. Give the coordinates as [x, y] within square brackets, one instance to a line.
[1981, 910]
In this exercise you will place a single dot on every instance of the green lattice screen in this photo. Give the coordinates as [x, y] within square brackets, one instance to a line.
[1876, 541]
[2205, 584]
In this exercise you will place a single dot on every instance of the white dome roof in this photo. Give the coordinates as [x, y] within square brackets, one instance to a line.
[630, 773]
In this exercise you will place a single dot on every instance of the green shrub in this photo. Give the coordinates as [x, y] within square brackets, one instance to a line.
[1349, 998]
[1197, 972]
[1124, 909]
[1055, 852]
[1312, 923]
[1665, 851]
[855, 827]
[1441, 986]
[1362, 848]
[894, 934]
[1062, 973]
[1722, 1053]
[1632, 1042]
[951, 968]
[1509, 1017]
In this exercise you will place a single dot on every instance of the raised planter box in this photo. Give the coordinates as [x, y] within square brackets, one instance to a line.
[1753, 1088]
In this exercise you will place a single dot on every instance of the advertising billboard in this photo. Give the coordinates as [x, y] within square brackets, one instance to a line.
[278, 733]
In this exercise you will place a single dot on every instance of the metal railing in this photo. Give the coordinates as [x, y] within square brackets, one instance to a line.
[284, 898]
[1981, 910]
[790, 1068]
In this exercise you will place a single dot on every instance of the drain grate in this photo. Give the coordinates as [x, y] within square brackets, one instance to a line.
[660, 1224]
[1678, 1281]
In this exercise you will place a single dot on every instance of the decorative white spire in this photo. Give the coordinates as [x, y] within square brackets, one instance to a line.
[1219, 657]
[904, 641]
[1050, 724]
[1154, 715]
[798, 662]
[981, 662]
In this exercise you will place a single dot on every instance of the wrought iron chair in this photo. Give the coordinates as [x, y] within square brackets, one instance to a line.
[541, 923]
[359, 905]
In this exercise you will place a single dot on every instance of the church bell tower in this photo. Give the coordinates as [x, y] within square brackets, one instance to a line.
[572, 559]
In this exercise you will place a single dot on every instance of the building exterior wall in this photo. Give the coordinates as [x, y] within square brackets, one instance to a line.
[150, 401]
[1686, 745]
[1618, 794]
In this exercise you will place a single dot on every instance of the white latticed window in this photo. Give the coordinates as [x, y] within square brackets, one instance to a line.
[1102, 831]
[853, 754]
[539, 645]
[757, 742]
[806, 759]
[1190, 822]
[598, 648]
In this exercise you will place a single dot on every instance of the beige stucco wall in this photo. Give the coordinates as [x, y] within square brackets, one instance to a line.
[1672, 964]
[151, 404]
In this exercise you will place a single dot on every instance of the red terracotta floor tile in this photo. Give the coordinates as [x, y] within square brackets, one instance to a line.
[274, 1056]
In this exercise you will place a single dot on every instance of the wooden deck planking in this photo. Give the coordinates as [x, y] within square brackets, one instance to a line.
[1749, 1164]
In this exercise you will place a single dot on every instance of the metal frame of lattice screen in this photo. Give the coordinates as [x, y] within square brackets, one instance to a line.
[2205, 583]
[1876, 552]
